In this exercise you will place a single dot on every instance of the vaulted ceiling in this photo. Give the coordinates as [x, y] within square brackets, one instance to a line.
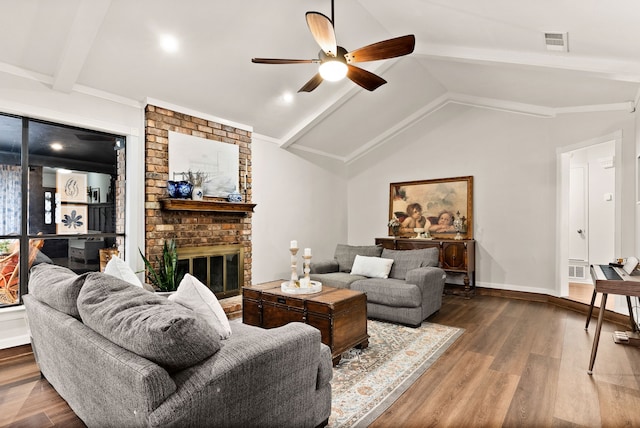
[489, 54]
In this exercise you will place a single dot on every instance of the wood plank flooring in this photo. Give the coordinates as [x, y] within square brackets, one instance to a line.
[522, 364]
[518, 364]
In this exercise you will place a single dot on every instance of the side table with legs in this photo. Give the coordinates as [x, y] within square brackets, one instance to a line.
[628, 286]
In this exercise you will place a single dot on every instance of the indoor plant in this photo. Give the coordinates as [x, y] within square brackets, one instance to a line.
[167, 277]
[197, 179]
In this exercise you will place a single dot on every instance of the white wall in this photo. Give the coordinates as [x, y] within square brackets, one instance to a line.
[296, 199]
[513, 160]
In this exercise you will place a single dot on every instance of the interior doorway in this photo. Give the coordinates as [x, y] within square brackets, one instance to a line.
[588, 207]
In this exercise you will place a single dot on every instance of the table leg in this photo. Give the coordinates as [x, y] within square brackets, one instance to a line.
[596, 338]
[632, 321]
[593, 301]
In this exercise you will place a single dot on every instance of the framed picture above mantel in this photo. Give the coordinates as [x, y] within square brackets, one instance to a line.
[442, 207]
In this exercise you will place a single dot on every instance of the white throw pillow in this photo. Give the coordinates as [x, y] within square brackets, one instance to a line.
[198, 297]
[118, 268]
[372, 267]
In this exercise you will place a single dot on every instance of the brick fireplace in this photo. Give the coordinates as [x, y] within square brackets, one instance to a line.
[191, 229]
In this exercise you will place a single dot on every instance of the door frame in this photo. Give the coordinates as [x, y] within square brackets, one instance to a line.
[562, 212]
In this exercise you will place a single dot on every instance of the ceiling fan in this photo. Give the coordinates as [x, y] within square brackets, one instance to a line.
[336, 62]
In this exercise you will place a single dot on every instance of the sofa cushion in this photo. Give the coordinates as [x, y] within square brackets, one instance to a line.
[372, 267]
[118, 268]
[345, 254]
[142, 322]
[57, 286]
[389, 292]
[336, 279]
[406, 260]
[196, 296]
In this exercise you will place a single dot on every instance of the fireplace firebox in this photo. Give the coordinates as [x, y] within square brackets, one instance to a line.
[219, 267]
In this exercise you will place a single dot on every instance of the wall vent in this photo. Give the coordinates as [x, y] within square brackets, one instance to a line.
[576, 272]
[557, 42]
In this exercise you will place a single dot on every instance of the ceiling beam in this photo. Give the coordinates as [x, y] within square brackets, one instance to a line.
[607, 68]
[86, 24]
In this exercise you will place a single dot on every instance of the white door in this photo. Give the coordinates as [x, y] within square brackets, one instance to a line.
[578, 213]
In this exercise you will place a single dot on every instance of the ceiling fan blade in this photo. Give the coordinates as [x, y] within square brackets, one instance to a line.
[322, 30]
[283, 61]
[383, 50]
[364, 78]
[312, 84]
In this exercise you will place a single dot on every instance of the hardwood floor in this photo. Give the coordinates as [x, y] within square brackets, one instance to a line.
[522, 364]
[518, 364]
[581, 292]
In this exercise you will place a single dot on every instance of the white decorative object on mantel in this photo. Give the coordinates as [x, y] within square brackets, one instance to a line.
[197, 194]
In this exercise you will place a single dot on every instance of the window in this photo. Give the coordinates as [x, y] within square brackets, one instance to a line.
[62, 198]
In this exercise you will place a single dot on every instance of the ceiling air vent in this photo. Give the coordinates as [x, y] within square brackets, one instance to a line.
[556, 42]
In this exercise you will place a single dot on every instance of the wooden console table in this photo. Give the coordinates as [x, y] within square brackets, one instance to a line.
[626, 286]
[339, 313]
[457, 257]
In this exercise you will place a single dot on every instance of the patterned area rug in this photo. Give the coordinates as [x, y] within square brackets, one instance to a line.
[368, 381]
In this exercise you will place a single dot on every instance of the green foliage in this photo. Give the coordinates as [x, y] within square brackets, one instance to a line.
[167, 277]
[4, 246]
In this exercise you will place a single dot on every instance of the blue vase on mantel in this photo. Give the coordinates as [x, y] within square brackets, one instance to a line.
[179, 189]
[185, 189]
[234, 197]
[172, 188]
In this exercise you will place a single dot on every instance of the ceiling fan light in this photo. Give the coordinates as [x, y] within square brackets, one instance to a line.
[333, 70]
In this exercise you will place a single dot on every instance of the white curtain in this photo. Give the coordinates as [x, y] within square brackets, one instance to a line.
[10, 199]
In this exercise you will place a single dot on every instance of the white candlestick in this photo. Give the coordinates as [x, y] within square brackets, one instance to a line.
[294, 265]
[294, 244]
[307, 252]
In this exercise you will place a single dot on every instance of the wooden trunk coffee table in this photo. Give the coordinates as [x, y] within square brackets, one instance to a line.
[340, 314]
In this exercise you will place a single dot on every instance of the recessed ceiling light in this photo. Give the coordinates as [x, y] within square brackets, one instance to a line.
[287, 97]
[169, 43]
[56, 146]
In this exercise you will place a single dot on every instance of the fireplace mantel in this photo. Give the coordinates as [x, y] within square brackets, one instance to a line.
[170, 204]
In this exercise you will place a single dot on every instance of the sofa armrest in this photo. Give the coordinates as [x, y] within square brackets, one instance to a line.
[430, 280]
[427, 276]
[324, 266]
[274, 377]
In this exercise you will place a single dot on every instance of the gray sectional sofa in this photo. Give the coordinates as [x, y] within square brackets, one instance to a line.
[122, 356]
[411, 292]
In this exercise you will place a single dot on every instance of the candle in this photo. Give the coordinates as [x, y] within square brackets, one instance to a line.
[245, 173]
[307, 252]
[294, 244]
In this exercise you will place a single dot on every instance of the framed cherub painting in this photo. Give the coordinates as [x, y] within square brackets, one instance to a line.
[441, 208]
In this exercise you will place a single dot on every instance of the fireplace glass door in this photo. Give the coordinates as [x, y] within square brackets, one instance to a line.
[219, 267]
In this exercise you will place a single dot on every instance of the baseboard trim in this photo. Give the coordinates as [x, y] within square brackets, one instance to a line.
[561, 302]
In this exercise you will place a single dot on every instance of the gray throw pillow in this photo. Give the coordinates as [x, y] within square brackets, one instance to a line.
[56, 286]
[346, 254]
[406, 260]
[149, 325]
